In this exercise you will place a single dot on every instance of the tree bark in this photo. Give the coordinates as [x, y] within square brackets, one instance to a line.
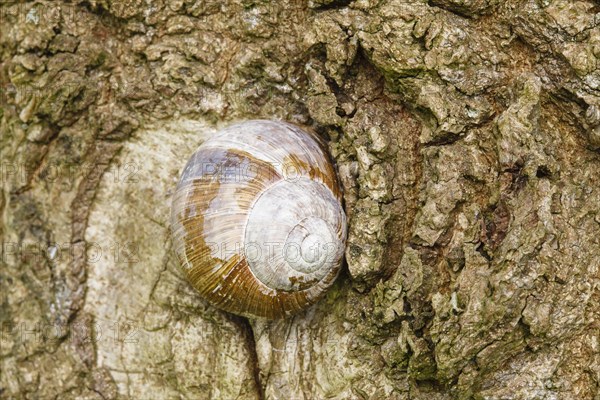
[466, 134]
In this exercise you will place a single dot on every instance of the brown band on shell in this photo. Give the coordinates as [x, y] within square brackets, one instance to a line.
[233, 288]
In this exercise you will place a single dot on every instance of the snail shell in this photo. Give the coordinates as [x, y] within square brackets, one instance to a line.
[257, 221]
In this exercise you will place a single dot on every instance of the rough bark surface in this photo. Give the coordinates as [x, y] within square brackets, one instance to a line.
[467, 138]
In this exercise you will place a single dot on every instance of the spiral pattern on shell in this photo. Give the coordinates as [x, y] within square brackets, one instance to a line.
[257, 221]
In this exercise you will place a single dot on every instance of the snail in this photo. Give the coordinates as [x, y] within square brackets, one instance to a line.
[257, 221]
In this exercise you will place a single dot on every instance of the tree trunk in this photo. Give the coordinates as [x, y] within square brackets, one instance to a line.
[466, 135]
